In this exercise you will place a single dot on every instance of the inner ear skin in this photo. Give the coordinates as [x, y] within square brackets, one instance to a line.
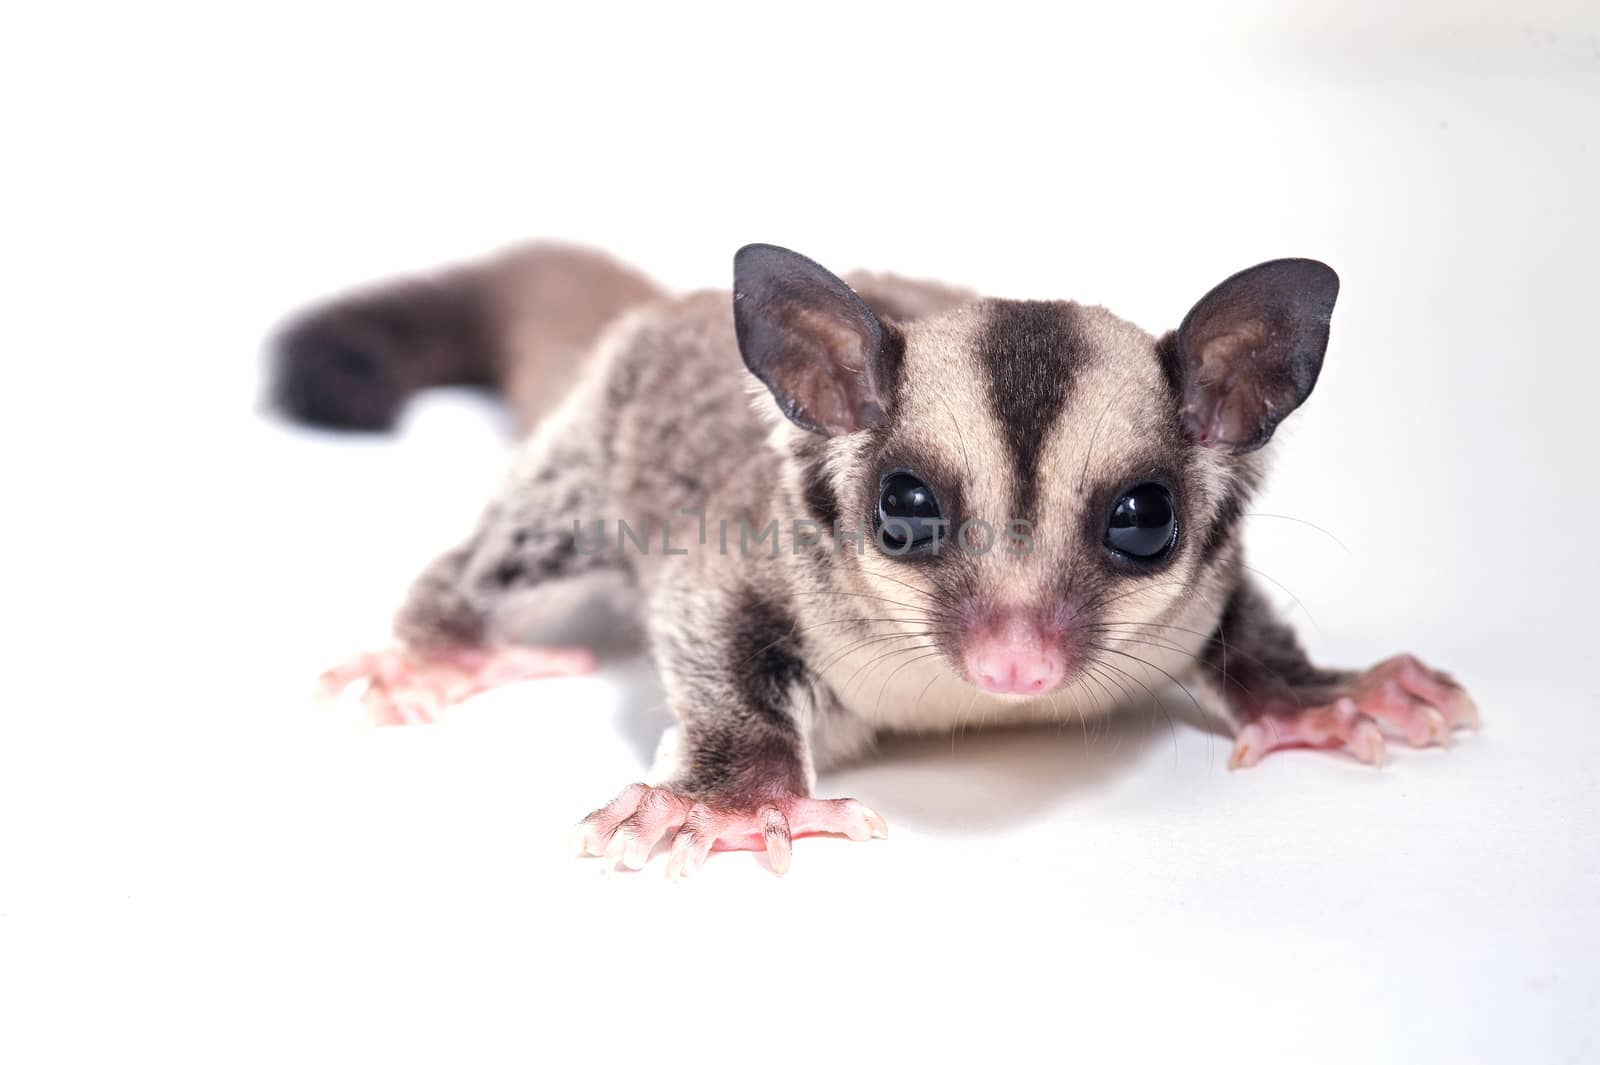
[822, 383]
[818, 403]
[811, 340]
[1250, 351]
[1241, 390]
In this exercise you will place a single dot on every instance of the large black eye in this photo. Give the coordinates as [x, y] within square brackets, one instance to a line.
[908, 515]
[1143, 524]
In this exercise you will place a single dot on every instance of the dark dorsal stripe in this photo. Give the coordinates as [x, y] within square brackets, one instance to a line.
[1031, 350]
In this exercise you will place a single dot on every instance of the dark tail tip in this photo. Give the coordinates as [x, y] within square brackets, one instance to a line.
[352, 363]
[331, 370]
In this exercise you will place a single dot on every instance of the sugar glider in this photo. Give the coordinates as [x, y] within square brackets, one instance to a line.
[854, 506]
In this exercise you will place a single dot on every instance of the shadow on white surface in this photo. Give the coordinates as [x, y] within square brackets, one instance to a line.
[978, 781]
[201, 865]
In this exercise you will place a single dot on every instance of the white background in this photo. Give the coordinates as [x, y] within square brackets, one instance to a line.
[201, 866]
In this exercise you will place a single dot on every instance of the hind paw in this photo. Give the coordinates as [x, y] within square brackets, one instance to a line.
[404, 688]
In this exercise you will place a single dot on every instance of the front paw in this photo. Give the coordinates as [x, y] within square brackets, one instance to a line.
[1421, 704]
[627, 829]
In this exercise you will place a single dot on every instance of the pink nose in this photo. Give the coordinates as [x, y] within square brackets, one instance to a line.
[1013, 656]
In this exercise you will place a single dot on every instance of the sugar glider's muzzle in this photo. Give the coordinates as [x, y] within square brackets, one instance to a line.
[1015, 652]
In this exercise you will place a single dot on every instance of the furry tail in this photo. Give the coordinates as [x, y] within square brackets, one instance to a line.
[520, 322]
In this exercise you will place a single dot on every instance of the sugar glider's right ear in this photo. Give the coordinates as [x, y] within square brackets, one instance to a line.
[811, 340]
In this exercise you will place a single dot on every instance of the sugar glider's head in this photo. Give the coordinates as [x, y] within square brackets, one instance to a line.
[1040, 482]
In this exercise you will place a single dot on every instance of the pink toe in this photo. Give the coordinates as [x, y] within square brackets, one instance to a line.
[1248, 747]
[1366, 743]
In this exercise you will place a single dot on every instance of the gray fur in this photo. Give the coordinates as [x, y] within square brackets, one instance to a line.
[777, 666]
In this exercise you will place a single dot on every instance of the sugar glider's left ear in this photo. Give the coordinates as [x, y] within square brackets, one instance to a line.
[1250, 351]
[810, 339]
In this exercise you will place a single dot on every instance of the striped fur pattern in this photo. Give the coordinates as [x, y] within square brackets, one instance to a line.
[779, 661]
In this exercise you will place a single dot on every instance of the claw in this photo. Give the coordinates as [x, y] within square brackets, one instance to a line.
[678, 858]
[613, 853]
[1366, 743]
[857, 822]
[578, 842]
[1247, 747]
[637, 852]
[1438, 727]
[775, 832]
[692, 843]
